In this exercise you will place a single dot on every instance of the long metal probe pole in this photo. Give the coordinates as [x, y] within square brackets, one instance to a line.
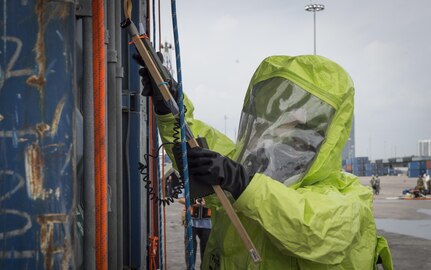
[171, 103]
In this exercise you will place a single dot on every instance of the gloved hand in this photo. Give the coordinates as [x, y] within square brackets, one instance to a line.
[210, 168]
[150, 88]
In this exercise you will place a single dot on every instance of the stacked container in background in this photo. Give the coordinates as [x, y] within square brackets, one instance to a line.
[417, 168]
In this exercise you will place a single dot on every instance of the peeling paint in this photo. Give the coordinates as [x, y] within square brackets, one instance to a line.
[1, 117]
[49, 250]
[34, 164]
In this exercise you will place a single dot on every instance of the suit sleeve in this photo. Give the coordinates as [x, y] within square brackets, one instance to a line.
[216, 140]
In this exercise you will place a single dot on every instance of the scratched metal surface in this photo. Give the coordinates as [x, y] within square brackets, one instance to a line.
[37, 163]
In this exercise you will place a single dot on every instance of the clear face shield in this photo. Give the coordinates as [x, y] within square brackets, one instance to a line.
[281, 130]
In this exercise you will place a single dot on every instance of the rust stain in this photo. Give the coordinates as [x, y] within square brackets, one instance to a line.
[41, 128]
[61, 10]
[57, 116]
[34, 164]
[39, 79]
[49, 250]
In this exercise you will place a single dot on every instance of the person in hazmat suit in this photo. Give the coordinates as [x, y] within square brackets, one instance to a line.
[284, 173]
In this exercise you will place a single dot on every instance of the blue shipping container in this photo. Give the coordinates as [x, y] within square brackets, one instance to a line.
[39, 152]
[415, 165]
[413, 173]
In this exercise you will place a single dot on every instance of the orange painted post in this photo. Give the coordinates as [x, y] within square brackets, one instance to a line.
[99, 70]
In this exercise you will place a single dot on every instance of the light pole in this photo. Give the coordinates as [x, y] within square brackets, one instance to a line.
[314, 8]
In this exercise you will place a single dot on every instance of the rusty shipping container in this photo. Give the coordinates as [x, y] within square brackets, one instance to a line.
[38, 160]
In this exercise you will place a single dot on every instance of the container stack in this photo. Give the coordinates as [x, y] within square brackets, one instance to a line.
[368, 169]
[379, 167]
[417, 168]
[360, 165]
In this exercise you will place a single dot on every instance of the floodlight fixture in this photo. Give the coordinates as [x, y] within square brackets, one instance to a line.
[314, 8]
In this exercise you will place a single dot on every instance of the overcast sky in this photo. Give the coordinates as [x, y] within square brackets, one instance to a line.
[383, 45]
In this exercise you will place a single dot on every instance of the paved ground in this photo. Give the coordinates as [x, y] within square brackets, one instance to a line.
[404, 217]
[175, 236]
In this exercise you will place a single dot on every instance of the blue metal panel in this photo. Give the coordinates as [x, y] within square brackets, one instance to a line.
[415, 165]
[413, 173]
[37, 163]
[135, 257]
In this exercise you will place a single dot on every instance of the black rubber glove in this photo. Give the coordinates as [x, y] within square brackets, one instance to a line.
[210, 168]
[150, 88]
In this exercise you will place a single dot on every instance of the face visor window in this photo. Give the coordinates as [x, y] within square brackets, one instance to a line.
[281, 130]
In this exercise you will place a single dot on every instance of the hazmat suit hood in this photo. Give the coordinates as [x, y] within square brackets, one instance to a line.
[296, 119]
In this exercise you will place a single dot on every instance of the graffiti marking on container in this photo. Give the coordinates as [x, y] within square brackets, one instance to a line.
[39, 79]
[40, 129]
[34, 164]
[9, 72]
[19, 231]
[15, 254]
[49, 250]
[18, 185]
[68, 158]
[57, 116]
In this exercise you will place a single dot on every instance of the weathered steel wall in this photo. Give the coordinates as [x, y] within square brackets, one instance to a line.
[37, 149]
